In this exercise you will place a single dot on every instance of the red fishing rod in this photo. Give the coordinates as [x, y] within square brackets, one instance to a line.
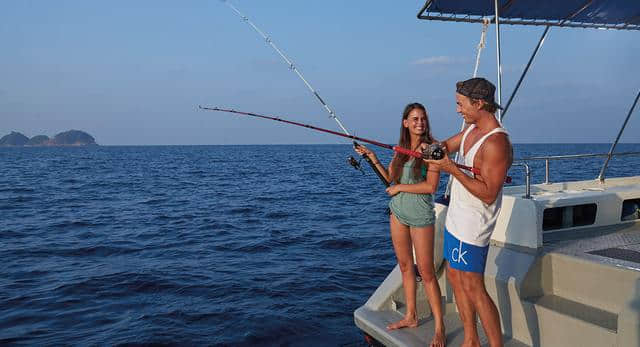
[432, 152]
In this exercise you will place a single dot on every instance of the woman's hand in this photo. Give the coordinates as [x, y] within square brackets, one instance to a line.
[373, 160]
[362, 150]
[394, 189]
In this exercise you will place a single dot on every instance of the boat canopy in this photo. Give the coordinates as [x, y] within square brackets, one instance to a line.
[601, 14]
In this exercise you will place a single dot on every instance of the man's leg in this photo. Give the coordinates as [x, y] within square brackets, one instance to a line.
[476, 292]
[465, 308]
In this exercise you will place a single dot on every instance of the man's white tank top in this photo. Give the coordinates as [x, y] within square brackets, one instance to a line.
[468, 218]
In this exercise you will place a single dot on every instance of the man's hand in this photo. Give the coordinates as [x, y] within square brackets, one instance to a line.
[445, 164]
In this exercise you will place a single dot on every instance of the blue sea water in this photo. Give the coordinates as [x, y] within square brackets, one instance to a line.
[203, 245]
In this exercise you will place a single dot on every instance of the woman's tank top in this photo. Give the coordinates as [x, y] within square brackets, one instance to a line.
[412, 209]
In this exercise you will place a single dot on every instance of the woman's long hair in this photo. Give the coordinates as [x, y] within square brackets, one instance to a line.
[398, 161]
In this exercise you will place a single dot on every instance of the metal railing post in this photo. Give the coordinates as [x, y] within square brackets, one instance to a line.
[546, 171]
[527, 182]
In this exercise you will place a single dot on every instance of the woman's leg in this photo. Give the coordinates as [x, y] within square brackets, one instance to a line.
[401, 239]
[423, 244]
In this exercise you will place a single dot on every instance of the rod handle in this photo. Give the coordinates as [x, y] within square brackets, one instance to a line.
[376, 170]
[407, 152]
[373, 166]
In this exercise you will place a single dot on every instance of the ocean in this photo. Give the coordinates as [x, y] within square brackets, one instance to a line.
[204, 245]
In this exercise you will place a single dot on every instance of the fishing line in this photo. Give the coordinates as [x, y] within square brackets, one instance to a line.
[290, 63]
[352, 161]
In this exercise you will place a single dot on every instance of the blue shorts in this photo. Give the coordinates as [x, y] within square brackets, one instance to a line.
[463, 256]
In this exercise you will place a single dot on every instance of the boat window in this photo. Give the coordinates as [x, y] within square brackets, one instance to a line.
[552, 218]
[584, 215]
[630, 209]
[569, 216]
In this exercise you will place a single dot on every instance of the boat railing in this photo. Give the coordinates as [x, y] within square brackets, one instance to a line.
[527, 177]
[548, 159]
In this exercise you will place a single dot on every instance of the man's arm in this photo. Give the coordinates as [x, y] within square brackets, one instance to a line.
[453, 143]
[496, 160]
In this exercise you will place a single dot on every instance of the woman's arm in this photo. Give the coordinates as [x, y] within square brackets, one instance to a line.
[428, 186]
[362, 150]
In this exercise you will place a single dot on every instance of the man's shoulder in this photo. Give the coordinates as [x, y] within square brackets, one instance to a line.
[497, 143]
[499, 137]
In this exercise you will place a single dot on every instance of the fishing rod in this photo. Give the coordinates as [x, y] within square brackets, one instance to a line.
[352, 161]
[433, 151]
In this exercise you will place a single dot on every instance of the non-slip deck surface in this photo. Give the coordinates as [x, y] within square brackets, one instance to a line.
[617, 245]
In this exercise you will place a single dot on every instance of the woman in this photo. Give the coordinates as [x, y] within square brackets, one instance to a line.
[412, 216]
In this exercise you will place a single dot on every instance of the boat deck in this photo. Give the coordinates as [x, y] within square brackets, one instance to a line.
[565, 290]
[423, 333]
[617, 245]
[563, 269]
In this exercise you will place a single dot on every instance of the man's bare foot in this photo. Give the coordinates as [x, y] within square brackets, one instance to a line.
[439, 339]
[406, 322]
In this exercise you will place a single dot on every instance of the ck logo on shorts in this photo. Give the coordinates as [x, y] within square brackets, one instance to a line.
[457, 254]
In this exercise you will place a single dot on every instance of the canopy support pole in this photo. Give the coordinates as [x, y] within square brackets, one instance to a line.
[481, 45]
[498, 53]
[613, 146]
[526, 69]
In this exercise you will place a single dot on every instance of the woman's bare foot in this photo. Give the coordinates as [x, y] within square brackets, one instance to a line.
[439, 339]
[406, 322]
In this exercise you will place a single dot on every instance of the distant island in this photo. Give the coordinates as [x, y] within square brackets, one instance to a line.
[66, 138]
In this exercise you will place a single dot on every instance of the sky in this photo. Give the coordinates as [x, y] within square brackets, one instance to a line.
[134, 72]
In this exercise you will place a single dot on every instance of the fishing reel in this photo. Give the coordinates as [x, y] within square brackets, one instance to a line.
[355, 163]
[433, 151]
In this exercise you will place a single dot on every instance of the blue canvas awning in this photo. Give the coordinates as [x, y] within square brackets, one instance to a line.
[606, 14]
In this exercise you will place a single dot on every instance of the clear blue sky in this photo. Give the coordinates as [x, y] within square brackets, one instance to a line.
[133, 72]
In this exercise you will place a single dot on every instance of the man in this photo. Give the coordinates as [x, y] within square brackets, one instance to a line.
[475, 204]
